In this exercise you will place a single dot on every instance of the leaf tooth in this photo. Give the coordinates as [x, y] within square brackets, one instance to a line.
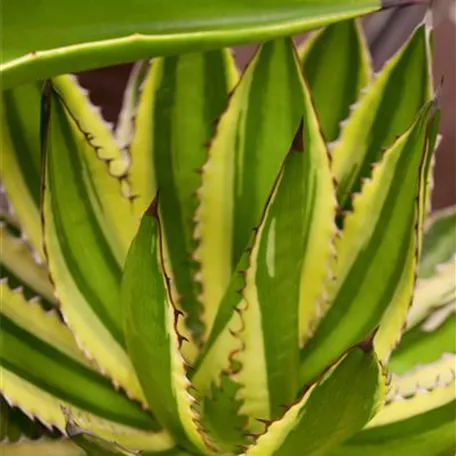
[30, 414]
[22, 238]
[118, 168]
[96, 365]
[424, 378]
[437, 318]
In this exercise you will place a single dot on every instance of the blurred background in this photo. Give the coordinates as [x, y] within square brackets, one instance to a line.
[386, 31]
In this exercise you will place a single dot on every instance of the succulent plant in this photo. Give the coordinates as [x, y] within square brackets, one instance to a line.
[231, 270]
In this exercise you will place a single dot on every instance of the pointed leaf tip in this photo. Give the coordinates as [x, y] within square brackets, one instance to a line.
[298, 143]
[152, 210]
[367, 345]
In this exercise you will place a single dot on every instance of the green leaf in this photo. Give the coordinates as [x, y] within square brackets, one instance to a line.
[99, 156]
[20, 167]
[105, 33]
[92, 444]
[41, 447]
[423, 378]
[426, 342]
[253, 137]
[376, 253]
[329, 412]
[299, 230]
[18, 259]
[17, 426]
[433, 293]
[422, 425]
[181, 100]
[288, 264]
[336, 65]
[221, 415]
[381, 115]
[427, 434]
[153, 342]
[86, 226]
[42, 369]
[439, 241]
[393, 321]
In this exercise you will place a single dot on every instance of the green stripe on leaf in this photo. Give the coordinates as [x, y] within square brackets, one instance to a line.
[381, 115]
[153, 342]
[333, 409]
[82, 264]
[336, 65]
[375, 266]
[252, 139]
[182, 98]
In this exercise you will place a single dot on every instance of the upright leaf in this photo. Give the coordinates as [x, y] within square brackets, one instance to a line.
[79, 235]
[181, 100]
[381, 115]
[105, 164]
[105, 33]
[336, 65]
[297, 231]
[329, 412]
[152, 338]
[253, 137]
[20, 167]
[287, 270]
[376, 252]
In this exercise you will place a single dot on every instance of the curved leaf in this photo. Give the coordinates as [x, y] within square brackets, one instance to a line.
[288, 265]
[252, 139]
[336, 65]
[381, 115]
[329, 412]
[17, 258]
[423, 377]
[426, 342]
[152, 338]
[181, 100]
[42, 370]
[393, 321]
[85, 266]
[92, 444]
[439, 241]
[103, 161]
[100, 34]
[376, 253]
[20, 167]
[433, 293]
[427, 434]
[16, 426]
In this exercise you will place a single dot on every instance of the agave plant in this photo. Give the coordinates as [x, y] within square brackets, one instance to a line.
[230, 271]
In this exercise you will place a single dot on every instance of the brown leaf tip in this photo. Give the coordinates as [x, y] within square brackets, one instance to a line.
[298, 143]
[152, 210]
[367, 345]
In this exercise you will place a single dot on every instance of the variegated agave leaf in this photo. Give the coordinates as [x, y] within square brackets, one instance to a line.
[242, 268]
